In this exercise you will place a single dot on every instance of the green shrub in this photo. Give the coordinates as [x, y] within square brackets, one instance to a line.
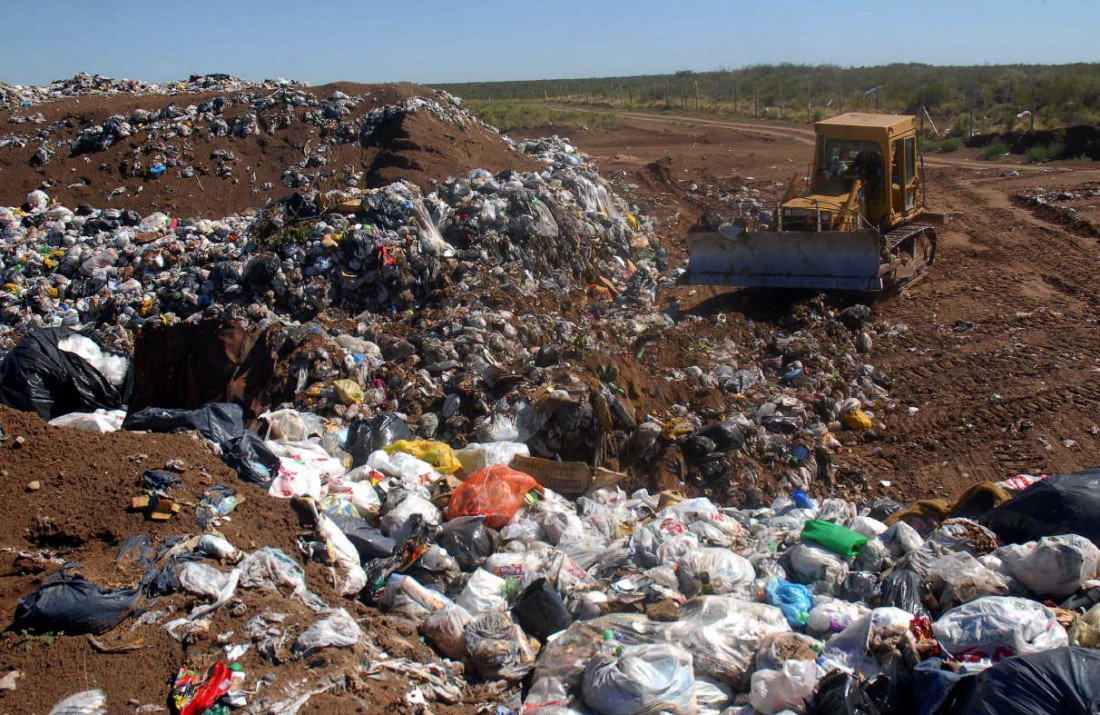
[1042, 154]
[995, 150]
[951, 144]
[291, 235]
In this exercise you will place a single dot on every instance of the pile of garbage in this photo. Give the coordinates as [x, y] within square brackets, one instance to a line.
[83, 84]
[576, 596]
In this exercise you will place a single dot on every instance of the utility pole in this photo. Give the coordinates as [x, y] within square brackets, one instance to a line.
[668, 97]
[756, 101]
[780, 100]
[840, 99]
[697, 95]
[808, 100]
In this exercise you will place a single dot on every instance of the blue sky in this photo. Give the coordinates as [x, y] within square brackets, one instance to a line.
[453, 41]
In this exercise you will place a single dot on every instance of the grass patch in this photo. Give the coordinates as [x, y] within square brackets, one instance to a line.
[510, 115]
[950, 144]
[290, 236]
[1044, 153]
[994, 150]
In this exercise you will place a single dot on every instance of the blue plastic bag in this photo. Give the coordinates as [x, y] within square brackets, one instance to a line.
[794, 599]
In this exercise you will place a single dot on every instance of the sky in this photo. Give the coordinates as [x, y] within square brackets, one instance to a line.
[431, 41]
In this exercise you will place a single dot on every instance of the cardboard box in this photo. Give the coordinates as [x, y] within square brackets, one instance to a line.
[568, 478]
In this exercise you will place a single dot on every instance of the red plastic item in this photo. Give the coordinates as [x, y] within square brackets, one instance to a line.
[495, 492]
[216, 684]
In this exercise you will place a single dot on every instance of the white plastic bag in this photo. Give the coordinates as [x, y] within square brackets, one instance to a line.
[483, 592]
[444, 629]
[336, 630]
[88, 702]
[353, 579]
[643, 680]
[727, 572]
[815, 565]
[960, 578]
[285, 424]
[361, 494]
[1053, 567]
[479, 455]
[788, 688]
[722, 633]
[993, 628]
[407, 596]
[205, 580]
[99, 421]
[400, 508]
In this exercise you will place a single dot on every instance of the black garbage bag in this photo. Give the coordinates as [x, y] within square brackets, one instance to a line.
[469, 541]
[368, 540]
[540, 611]
[252, 460]
[1062, 681]
[904, 588]
[884, 507]
[73, 605]
[1062, 504]
[38, 376]
[366, 436]
[219, 422]
[839, 693]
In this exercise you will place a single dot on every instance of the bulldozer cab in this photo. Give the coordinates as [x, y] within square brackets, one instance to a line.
[866, 168]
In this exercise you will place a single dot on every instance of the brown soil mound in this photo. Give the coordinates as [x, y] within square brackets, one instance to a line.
[418, 147]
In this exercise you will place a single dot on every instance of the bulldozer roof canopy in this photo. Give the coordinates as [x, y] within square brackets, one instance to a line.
[898, 122]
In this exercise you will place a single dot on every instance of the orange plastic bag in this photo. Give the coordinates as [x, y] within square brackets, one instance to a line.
[495, 492]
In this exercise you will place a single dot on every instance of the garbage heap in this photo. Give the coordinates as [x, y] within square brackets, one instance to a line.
[572, 595]
[83, 84]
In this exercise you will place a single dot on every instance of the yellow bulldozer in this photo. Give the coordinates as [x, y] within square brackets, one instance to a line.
[862, 224]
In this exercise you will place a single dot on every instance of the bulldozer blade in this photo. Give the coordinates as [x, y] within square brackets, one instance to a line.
[825, 260]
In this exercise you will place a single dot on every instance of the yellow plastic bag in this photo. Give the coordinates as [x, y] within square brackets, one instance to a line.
[437, 454]
[856, 419]
[348, 391]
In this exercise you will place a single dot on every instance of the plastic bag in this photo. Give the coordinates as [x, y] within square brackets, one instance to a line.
[367, 436]
[469, 541]
[540, 610]
[993, 628]
[285, 424]
[960, 578]
[72, 605]
[88, 702]
[642, 680]
[813, 565]
[1062, 504]
[205, 580]
[777, 648]
[498, 648]
[360, 494]
[270, 568]
[1054, 682]
[336, 630]
[405, 595]
[787, 688]
[723, 632]
[838, 539]
[905, 589]
[833, 617]
[840, 693]
[723, 570]
[98, 421]
[343, 552]
[496, 493]
[38, 375]
[795, 600]
[483, 592]
[1086, 629]
[444, 629]
[437, 454]
[477, 456]
[219, 422]
[368, 540]
[1053, 567]
[400, 507]
[252, 459]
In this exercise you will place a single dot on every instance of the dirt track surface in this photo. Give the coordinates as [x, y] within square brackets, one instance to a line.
[996, 349]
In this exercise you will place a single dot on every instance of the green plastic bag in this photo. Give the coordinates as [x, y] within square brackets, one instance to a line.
[838, 539]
